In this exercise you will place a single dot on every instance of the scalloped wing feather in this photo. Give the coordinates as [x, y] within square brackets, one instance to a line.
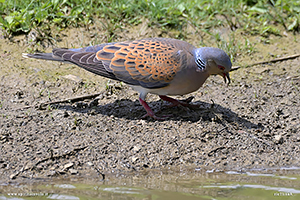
[86, 60]
[151, 63]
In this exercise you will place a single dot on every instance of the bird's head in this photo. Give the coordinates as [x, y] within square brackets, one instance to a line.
[214, 61]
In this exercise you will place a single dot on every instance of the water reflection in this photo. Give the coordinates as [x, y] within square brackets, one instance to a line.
[255, 184]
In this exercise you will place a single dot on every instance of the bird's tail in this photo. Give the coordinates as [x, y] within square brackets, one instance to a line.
[43, 56]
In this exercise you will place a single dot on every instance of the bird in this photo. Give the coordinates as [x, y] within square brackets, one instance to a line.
[161, 66]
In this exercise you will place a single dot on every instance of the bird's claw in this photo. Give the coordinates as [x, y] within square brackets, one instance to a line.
[184, 103]
[188, 100]
[164, 117]
[175, 102]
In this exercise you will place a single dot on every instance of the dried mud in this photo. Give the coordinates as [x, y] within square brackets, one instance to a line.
[252, 123]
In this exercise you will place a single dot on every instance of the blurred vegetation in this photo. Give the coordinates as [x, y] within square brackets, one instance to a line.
[262, 17]
[255, 16]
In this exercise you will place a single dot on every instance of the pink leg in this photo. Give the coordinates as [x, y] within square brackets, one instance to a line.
[175, 102]
[149, 110]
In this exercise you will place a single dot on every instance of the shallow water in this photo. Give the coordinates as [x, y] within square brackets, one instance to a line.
[254, 184]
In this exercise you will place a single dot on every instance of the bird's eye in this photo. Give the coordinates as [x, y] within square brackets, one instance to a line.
[221, 67]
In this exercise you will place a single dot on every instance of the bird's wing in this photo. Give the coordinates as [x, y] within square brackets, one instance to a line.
[85, 58]
[151, 63]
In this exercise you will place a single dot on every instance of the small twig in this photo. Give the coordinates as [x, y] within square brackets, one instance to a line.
[269, 61]
[72, 99]
[51, 157]
[212, 152]
[235, 68]
[99, 172]
[222, 129]
[275, 60]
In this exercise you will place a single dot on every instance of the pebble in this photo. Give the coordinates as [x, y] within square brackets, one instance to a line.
[136, 148]
[278, 139]
[58, 113]
[67, 166]
[14, 175]
[73, 78]
[134, 158]
[73, 171]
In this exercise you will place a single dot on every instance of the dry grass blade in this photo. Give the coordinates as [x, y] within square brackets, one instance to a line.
[268, 61]
[72, 99]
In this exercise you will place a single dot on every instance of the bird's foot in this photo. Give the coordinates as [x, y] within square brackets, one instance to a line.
[164, 117]
[150, 112]
[175, 102]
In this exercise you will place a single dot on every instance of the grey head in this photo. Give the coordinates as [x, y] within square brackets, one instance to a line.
[213, 60]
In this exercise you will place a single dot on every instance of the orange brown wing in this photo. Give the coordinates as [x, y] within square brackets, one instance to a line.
[151, 63]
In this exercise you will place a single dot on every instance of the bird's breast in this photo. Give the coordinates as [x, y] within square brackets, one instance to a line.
[182, 84]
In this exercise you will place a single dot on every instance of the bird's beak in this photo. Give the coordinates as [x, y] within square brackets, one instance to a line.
[226, 77]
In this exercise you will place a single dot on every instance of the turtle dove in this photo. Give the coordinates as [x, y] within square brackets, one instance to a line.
[159, 66]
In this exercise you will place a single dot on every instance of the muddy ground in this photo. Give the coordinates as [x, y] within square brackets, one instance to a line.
[252, 123]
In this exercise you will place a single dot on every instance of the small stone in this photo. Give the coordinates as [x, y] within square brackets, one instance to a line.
[27, 167]
[39, 167]
[134, 158]
[14, 175]
[57, 113]
[278, 139]
[89, 163]
[217, 161]
[73, 171]
[136, 148]
[73, 78]
[67, 166]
